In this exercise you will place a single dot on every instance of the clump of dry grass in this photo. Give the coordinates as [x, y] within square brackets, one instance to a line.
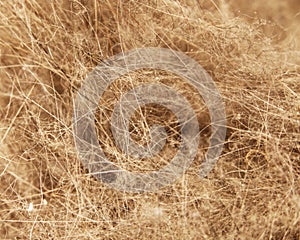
[46, 51]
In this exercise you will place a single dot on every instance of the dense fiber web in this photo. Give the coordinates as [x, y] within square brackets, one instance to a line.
[251, 51]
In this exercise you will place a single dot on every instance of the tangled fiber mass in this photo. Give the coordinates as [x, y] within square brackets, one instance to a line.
[251, 50]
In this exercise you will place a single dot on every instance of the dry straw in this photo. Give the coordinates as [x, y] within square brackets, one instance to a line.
[48, 48]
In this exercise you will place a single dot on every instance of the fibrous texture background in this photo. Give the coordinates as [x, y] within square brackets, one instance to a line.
[251, 50]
